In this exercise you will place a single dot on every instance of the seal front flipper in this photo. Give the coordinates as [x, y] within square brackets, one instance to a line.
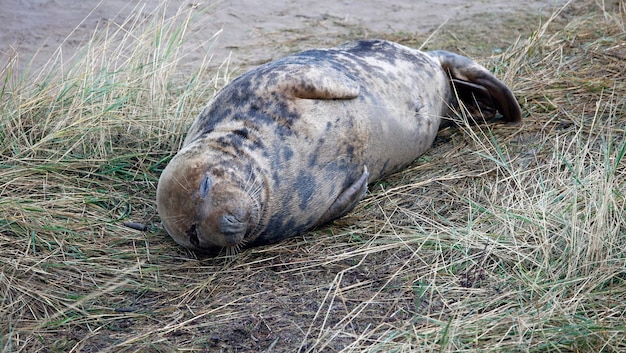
[480, 91]
[317, 82]
[347, 200]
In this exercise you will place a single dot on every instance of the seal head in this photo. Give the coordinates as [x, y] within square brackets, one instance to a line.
[205, 204]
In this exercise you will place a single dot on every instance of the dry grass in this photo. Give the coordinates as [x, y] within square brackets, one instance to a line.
[499, 239]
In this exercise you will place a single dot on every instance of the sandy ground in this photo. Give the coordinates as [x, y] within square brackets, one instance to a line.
[37, 28]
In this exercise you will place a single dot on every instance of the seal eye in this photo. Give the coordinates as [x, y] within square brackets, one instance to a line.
[205, 186]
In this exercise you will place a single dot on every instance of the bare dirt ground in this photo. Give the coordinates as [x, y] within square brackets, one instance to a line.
[249, 31]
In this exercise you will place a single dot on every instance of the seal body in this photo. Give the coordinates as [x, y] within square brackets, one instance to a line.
[292, 144]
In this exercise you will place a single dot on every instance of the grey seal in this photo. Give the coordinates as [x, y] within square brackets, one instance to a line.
[293, 144]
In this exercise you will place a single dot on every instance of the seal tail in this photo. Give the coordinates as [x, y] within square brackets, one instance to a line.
[478, 88]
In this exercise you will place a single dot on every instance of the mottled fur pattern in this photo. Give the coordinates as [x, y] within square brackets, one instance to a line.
[293, 143]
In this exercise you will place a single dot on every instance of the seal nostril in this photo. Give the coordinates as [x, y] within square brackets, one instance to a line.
[231, 225]
[231, 219]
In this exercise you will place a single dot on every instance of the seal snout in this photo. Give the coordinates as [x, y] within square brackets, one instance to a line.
[234, 226]
[223, 213]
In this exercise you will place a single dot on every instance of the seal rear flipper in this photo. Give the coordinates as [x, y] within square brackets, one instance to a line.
[478, 89]
[347, 200]
[317, 82]
[476, 99]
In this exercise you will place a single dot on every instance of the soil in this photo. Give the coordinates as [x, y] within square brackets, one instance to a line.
[250, 31]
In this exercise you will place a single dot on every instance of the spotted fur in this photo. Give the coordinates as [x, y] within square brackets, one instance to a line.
[292, 144]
